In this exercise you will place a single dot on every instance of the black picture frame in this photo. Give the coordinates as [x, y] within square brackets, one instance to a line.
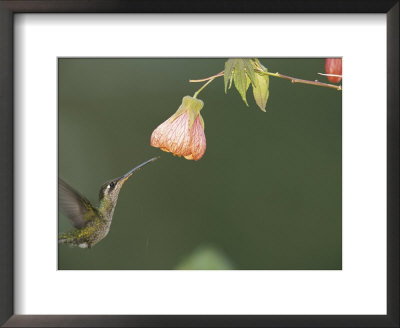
[10, 7]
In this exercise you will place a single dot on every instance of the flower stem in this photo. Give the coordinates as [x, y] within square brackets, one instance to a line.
[208, 78]
[286, 77]
[205, 84]
[296, 80]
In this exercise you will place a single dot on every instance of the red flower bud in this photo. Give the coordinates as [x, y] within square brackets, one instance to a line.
[183, 133]
[334, 66]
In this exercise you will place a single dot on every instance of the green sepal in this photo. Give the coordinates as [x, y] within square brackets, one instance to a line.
[192, 106]
[261, 90]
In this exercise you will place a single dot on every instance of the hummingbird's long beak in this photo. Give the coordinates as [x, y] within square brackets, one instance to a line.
[128, 175]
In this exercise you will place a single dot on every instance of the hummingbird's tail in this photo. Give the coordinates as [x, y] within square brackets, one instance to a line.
[64, 238]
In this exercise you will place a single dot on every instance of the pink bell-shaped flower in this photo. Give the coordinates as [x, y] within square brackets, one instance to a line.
[183, 133]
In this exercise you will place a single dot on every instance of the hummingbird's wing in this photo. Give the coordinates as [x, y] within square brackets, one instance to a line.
[75, 206]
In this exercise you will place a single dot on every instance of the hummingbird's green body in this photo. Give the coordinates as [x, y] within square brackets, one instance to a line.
[94, 231]
[91, 224]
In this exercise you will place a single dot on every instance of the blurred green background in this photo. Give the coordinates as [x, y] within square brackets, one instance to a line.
[266, 195]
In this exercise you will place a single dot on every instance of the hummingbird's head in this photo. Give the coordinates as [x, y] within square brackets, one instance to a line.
[110, 190]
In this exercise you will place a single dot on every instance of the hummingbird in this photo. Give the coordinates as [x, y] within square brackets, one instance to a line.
[91, 224]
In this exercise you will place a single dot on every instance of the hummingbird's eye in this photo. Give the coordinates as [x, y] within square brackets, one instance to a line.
[111, 185]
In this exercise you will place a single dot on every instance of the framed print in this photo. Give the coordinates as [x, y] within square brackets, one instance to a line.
[198, 240]
[199, 164]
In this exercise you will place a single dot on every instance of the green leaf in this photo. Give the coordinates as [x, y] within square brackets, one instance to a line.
[261, 91]
[240, 79]
[230, 82]
[241, 71]
[249, 67]
[229, 66]
[248, 83]
[259, 64]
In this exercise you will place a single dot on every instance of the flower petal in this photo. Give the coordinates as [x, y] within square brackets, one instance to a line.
[159, 135]
[178, 136]
[198, 140]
